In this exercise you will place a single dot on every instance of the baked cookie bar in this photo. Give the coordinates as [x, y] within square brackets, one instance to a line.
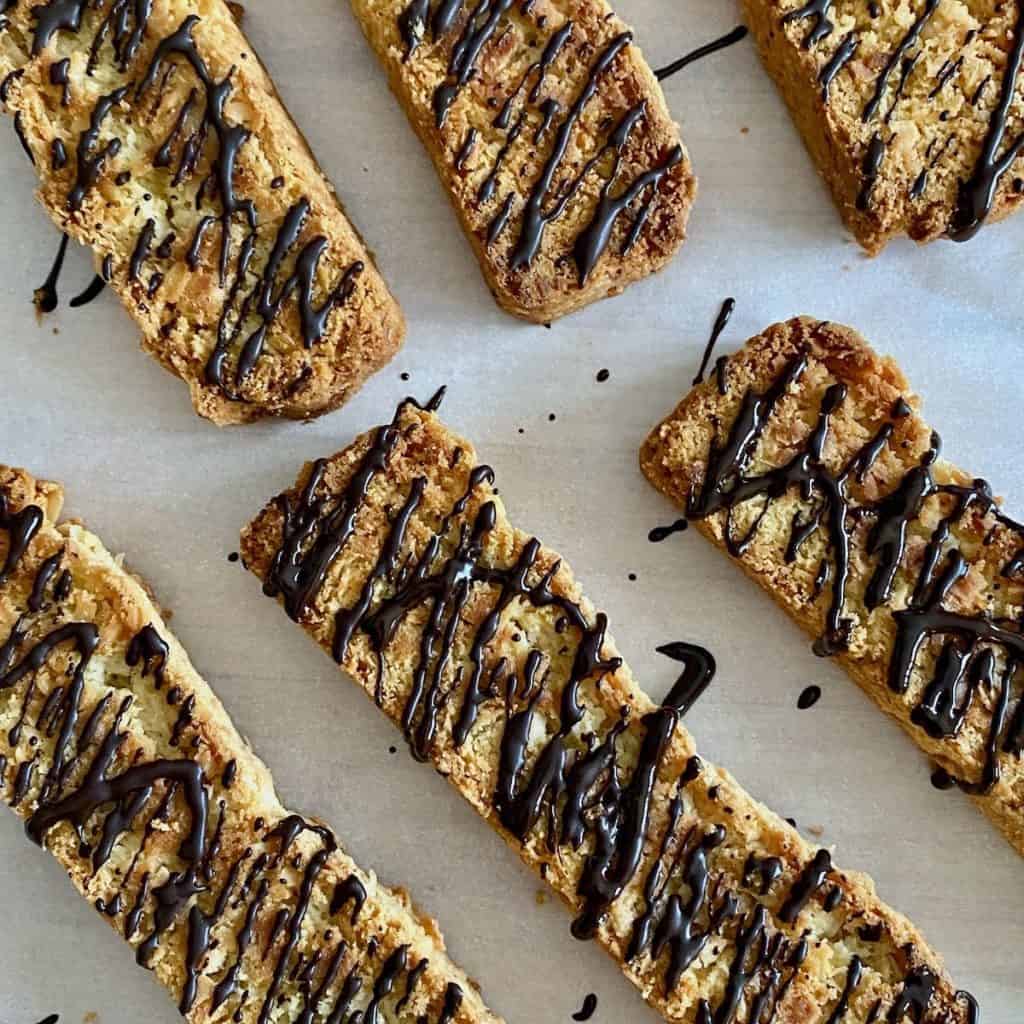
[126, 767]
[397, 556]
[911, 109]
[160, 141]
[551, 137]
[806, 457]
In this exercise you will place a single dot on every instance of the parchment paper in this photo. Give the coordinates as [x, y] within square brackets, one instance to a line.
[82, 404]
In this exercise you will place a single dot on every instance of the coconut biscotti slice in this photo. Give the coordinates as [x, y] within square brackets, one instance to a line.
[160, 141]
[397, 556]
[124, 765]
[806, 457]
[551, 137]
[909, 108]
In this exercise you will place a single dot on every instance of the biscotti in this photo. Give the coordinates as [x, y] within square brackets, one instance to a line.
[805, 456]
[397, 556]
[124, 764]
[909, 108]
[550, 135]
[160, 141]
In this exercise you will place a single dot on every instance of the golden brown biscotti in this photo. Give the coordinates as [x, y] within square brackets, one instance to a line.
[550, 135]
[805, 456]
[124, 764]
[910, 108]
[396, 554]
[160, 141]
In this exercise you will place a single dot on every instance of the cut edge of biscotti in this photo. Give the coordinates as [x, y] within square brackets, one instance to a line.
[425, 447]
[168, 286]
[839, 161]
[536, 297]
[880, 382]
[163, 713]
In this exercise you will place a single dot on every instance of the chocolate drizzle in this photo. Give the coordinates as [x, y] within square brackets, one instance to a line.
[351, 890]
[660, 533]
[698, 672]
[45, 295]
[809, 882]
[967, 647]
[729, 39]
[976, 195]
[148, 649]
[821, 25]
[92, 156]
[721, 322]
[480, 27]
[586, 1011]
[843, 55]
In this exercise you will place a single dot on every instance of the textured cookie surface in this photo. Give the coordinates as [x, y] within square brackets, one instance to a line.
[160, 141]
[550, 135]
[806, 457]
[396, 554]
[126, 767]
[911, 109]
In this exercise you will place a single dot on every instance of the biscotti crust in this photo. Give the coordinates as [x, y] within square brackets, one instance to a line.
[526, 711]
[124, 764]
[907, 157]
[880, 417]
[500, 129]
[130, 118]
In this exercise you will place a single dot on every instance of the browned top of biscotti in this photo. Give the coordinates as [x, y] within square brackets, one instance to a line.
[479, 643]
[160, 141]
[125, 765]
[551, 135]
[808, 458]
[924, 98]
